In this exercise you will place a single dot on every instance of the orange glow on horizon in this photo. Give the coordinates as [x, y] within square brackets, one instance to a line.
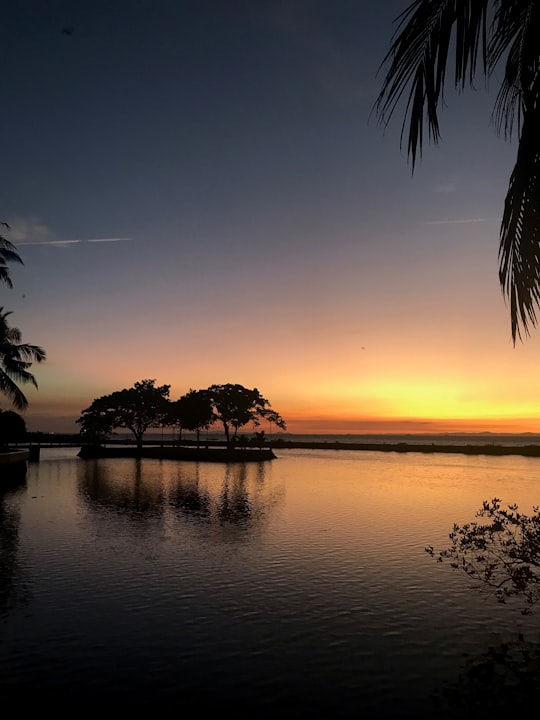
[339, 426]
[60, 417]
[406, 402]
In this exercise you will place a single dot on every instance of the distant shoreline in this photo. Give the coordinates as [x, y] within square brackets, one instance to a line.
[403, 447]
[482, 446]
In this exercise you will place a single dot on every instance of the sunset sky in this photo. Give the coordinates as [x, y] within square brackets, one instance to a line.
[200, 195]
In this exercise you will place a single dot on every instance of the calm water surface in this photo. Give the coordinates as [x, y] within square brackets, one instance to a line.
[296, 586]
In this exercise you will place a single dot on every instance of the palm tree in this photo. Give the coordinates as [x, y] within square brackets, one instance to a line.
[7, 254]
[15, 359]
[484, 34]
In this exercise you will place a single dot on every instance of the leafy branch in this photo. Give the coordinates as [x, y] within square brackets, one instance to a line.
[501, 555]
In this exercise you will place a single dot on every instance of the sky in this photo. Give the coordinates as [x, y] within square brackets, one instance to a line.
[201, 194]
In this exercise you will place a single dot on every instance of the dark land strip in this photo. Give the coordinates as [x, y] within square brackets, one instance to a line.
[487, 449]
[216, 448]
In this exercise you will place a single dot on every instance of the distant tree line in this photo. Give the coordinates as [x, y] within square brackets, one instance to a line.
[146, 406]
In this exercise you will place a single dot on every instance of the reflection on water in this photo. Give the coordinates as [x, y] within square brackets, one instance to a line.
[9, 542]
[187, 496]
[295, 586]
[123, 489]
[147, 489]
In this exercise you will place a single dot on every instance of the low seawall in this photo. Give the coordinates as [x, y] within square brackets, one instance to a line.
[179, 453]
[13, 465]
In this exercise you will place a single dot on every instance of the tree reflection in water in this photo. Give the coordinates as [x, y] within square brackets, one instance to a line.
[234, 494]
[237, 499]
[234, 505]
[503, 680]
[11, 592]
[187, 497]
[122, 489]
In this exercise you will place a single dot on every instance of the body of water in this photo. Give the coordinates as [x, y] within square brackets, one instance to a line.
[299, 585]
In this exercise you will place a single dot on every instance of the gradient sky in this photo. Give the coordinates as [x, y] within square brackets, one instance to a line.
[199, 196]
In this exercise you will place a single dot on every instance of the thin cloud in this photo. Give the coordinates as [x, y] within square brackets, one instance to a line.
[30, 231]
[112, 239]
[48, 242]
[26, 230]
[61, 243]
[461, 221]
[445, 188]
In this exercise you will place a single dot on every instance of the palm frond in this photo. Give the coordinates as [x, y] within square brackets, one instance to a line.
[16, 358]
[508, 101]
[23, 352]
[18, 371]
[5, 277]
[9, 388]
[519, 248]
[8, 253]
[418, 59]
[516, 33]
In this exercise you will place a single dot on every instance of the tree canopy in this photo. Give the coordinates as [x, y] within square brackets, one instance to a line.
[193, 411]
[137, 409]
[146, 406]
[235, 406]
[483, 35]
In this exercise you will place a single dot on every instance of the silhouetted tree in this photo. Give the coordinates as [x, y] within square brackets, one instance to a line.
[12, 427]
[501, 554]
[235, 406]
[137, 409]
[16, 358]
[260, 439]
[97, 426]
[485, 34]
[193, 412]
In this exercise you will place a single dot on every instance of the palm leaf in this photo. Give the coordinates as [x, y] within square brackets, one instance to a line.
[8, 253]
[417, 62]
[519, 248]
[5, 277]
[10, 389]
[418, 59]
[516, 37]
[16, 358]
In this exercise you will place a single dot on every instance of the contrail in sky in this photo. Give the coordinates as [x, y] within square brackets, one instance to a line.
[117, 239]
[465, 221]
[72, 242]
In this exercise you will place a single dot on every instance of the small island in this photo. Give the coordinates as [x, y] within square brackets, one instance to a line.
[146, 406]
